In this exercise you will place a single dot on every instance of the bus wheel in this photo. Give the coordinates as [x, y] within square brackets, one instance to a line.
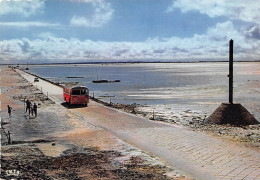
[86, 105]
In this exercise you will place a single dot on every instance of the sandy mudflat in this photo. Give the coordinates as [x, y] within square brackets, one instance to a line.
[59, 144]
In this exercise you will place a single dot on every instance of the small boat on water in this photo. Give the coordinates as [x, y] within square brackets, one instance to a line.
[105, 81]
[100, 81]
[74, 77]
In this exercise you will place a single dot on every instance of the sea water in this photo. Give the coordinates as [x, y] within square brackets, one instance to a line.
[165, 87]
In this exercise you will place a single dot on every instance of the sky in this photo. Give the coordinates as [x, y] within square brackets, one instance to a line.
[54, 31]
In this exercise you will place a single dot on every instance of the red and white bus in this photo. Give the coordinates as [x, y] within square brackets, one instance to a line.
[76, 95]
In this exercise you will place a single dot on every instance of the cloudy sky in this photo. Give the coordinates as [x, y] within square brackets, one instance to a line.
[42, 31]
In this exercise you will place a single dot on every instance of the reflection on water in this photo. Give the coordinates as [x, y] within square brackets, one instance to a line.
[163, 83]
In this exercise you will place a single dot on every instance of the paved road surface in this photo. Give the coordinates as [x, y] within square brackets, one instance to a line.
[200, 155]
[50, 90]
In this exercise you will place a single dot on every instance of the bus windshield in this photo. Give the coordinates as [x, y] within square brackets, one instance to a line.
[79, 92]
[75, 92]
[83, 92]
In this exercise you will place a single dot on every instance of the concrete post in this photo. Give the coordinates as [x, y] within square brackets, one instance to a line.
[9, 137]
[231, 71]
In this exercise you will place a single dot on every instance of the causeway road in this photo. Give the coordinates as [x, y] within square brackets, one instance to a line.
[199, 155]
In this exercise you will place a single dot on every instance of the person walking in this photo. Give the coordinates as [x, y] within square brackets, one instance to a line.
[9, 108]
[28, 106]
[35, 109]
[31, 107]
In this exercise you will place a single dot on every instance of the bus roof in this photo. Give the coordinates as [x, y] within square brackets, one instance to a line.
[73, 87]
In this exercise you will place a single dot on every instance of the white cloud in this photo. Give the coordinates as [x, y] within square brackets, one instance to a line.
[43, 35]
[21, 7]
[247, 11]
[28, 24]
[213, 45]
[214, 42]
[86, 1]
[102, 14]
[253, 32]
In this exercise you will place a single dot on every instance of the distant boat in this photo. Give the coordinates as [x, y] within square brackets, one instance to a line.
[74, 77]
[100, 81]
[105, 81]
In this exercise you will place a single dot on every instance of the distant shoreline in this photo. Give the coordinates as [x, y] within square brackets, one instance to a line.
[125, 62]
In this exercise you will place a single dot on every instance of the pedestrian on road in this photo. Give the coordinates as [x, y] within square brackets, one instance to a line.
[9, 108]
[28, 106]
[35, 109]
[31, 107]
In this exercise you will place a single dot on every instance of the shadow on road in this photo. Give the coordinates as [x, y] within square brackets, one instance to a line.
[73, 106]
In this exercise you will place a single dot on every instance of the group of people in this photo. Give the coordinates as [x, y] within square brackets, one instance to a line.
[31, 108]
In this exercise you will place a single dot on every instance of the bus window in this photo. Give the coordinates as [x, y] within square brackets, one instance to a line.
[83, 92]
[75, 92]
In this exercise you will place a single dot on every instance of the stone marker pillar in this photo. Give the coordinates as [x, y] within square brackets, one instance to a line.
[229, 113]
[230, 72]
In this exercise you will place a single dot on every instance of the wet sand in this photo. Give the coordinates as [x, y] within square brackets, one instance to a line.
[59, 144]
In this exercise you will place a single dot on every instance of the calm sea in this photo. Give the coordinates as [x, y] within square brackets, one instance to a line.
[163, 83]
